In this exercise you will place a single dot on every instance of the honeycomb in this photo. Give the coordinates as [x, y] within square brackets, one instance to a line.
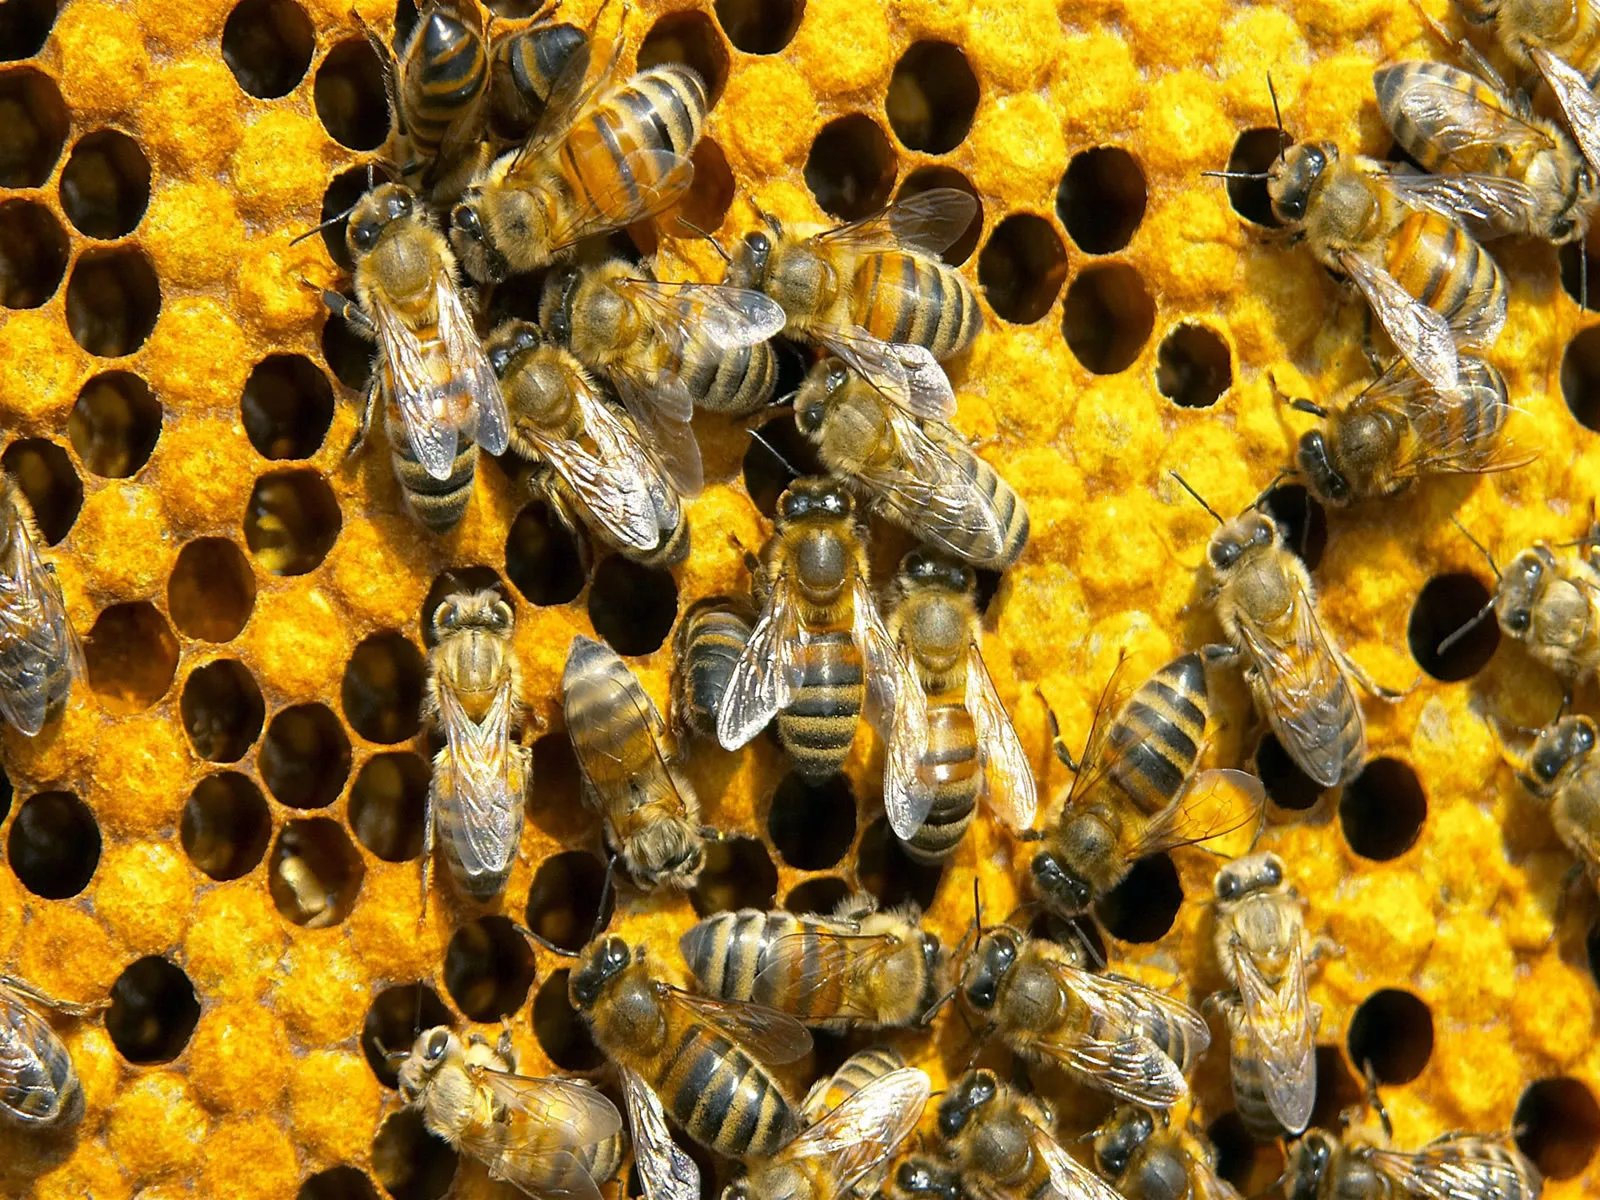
[222, 835]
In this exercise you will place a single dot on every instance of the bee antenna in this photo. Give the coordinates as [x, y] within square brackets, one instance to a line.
[560, 951]
[601, 917]
[767, 219]
[933, 1009]
[1481, 548]
[1088, 948]
[1277, 115]
[331, 221]
[1255, 175]
[416, 1018]
[776, 453]
[698, 232]
[1373, 1099]
[977, 908]
[1184, 484]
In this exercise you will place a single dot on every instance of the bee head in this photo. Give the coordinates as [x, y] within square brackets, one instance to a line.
[1131, 1128]
[1520, 587]
[750, 260]
[509, 343]
[991, 962]
[1253, 873]
[469, 238]
[1252, 531]
[601, 962]
[1294, 175]
[427, 1055]
[810, 497]
[822, 384]
[1568, 740]
[486, 610]
[1063, 890]
[934, 570]
[1315, 463]
[377, 211]
[1309, 1159]
[967, 1095]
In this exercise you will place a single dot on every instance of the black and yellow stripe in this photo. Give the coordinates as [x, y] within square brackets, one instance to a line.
[443, 72]
[737, 382]
[438, 503]
[722, 1097]
[898, 296]
[1155, 741]
[1435, 260]
[1003, 499]
[950, 765]
[705, 648]
[820, 723]
[856, 1072]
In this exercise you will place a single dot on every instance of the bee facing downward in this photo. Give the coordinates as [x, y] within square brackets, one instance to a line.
[39, 651]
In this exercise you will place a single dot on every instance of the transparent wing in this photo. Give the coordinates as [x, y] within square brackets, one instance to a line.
[1489, 206]
[421, 387]
[767, 672]
[562, 106]
[662, 406]
[598, 683]
[576, 1112]
[1421, 335]
[867, 1128]
[1069, 1178]
[35, 636]
[724, 317]
[666, 1172]
[906, 375]
[921, 485]
[1449, 426]
[1279, 1021]
[1578, 103]
[1008, 777]
[20, 1029]
[898, 709]
[1457, 111]
[490, 424]
[770, 1035]
[646, 183]
[478, 779]
[801, 964]
[930, 221]
[1216, 804]
[1459, 1167]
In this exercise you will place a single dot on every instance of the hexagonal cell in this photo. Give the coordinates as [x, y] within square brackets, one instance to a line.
[347, 354]
[633, 606]
[292, 521]
[884, 869]
[222, 710]
[382, 689]
[388, 803]
[543, 557]
[563, 1035]
[1102, 199]
[132, 656]
[760, 26]
[349, 96]
[851, 167]
[1253, 154]
[287, 407]
[778, 451]
[1144, 905]
[932, 97]
[153, 1011]
[711, 194]
[314, 873]
[1445, 605]
[344, 192]
[44, 473]
[1383, 809]
[267, 44]
[33, 254]
[1392, 1032]
[1286, 784]
[488, 969]
[1302, 518]
[690, 38]
[105, 186]
[113, 300]
[54, 845]
[812, 827]
[926, 179]
[1557, 1124]
[820, 895]
[1022, 268]
[1193, 366]
[34, 119]
[564, 901]
[1108, 317]
[410, 1162]
[738, 874]
[395, 1019]
[337, 1183]
[27, 25]
[212, 590]
[306, 757]
[115, 424]
[448, 583]
[225, 825]
[1580, 377]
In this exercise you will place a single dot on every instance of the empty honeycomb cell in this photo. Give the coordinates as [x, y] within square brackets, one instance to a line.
[884, 869]
[113, 300]
[314, 873]
[344, 192]
[447, 584]
[212, 590]
[1392, 1033]
[1301, 517]
[739, 873]
[632, 606]
[851, 167]
[225, 825]
[926, 179]
[691, 38]
[153, 1011]
[394, 1020]
[115, 424]
[44, 473]
[348, 356]
[388, 801]
[812, 827]
[1108, 317]
[34, 120]
[1580, 377]
[932, 97]
[1102, 199]
[564, 901]
[105, 186]
[54, 845]
[1143, 906]
[337, 1183]
[543, 558]
[1254, 1168]
[349, 96]
[132, 656]
[1287, 786]
[1022, 268]
[563, 1035]
[711, 194]
[488, 969]
[1445, 605]
[287, 406]
[222, 710]
[1558, 1126]
[1337, 1088]
[778, 451]
[1253, 153]
[306, 757]
[292, 521]
[33, 254]
[1382, 810]
[267, 44]
[382, 689]
[819, 895]
[1193, 366]
[410, 1162]
[760, 26]
[26, 26]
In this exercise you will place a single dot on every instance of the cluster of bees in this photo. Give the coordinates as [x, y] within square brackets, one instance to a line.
[519, 152]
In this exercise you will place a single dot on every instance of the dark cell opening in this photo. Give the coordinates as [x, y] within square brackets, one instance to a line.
[7, 792]
[349, 96]
[105, 186]
[776, 451]
[562, 1033]
[396, 1018]
[1252, 1167]
[115, 424]
[382, 689]
[222, 710]
[632, 606]
[1303, 520]
[851, 167]
[113, 300]
[1393, 1032]
[884, 869]
[267, 44]
[821, 895]
[410, 1162]
[1580, 374]
[1591, 944]
[212, 590]
[44, 473]
[54, 845]
[306, 757]
[315, 873]
[225, 826]
[932, 96]
[690, 38]
[812, 827]
[1143, 906]
[556, 804]
[348, 355]
[26, 27]
[1193, 367]
[1108, 317]
[1382, 810]
[33, 127]
[388, 801]
[544, 559]
[33, 254]
[1337, 1088]
[337, 1183]
[488, 969]
[153, 1011]
[564, 901]
[1101, 199]
[515, 10]
[287, 406]
[1253, 153]
[447, 584]
[1022, 267]
[1286, 784]
[926, 179]
[344, 190]
[760, 26]
[1558, 1126]
[711, 194]
[292, 521]
[132, 656]
[1445, 604]
[738, 874]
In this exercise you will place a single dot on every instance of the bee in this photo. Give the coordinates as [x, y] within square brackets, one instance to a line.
[592, 460]
[875, 293]
[480, 777]
[855, 1073]
[543, 1136]
[820, 649]
[972, 748]
[1146, 1163]
[39, 1089]
[1136, 791]
[626, 756]
[40, 654]
[705, 648]
[525, 66]
[923, 478]
[1260, 944]
[1111, 1033]
[442, 400]
[1562, 770]
[919, 1177]
[859, 966]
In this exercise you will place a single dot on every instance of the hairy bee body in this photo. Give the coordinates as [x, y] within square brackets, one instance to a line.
[1147, 1163]
[1569, 29]
[1551, 604]
[39, 651]
[1563, 770]
[444, 72]
[1463, 1166]
[855, 1073]
[39, 1087]
[705, 648]
[915, 299]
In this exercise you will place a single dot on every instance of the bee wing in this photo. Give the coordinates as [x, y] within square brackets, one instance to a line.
[1458, 1167]
[930, 492]
[1419, 333]
[767, 672]
[479, 778]
[908, 376]
[646, 183]
[1488, 206]
[420, 388]
[662, 406]
[35, 633]
[866, 1128]
[725, 317]
[1008, 776]
[666, 1172]
[898, 709]
[1446, 443]
[1279, 1022]
[806, 962]
[489, 423]
[1578, 102]
[565, 101]
[930, 221]
[1215, 804]
[770, 1035]
[20, 1088]
[1069, 1178]
[1458, 115]
[604, 755]
[1208, 1185]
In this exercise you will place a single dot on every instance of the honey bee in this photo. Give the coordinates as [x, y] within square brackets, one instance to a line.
[480, 777]
[860, 1069]
[857, 967]
[592, 460]
[1563, 770]
[1146, 1163]
[820, 649]
[1260, 944]
[972, 748]
[1111, 1033]
[626, 756]
[1136, 791]
[39, 1089]
[875, 293]
[525, 65]
[543, 1136]
[705, 648]
[40, 654]
[923, 478]
[442, 400]
[919, 1177]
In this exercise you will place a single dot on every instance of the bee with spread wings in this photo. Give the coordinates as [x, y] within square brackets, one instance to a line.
[40, 654]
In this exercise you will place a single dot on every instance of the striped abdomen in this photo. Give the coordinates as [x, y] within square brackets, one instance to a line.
[438, 503]
[1464, 1165]
[443, 74]
[1392, 85]
[603, 1159]
[902, 297]
[722, 1097]
[728, 952]
[527, 64]
[1328, 737]
[861, 1068]
[728, 381]
[38, 1086]
[1438, 262]
[1156, 739]
[1249, 1088]
[708, 643]
[479, 860]
[1466, 426]
[820, 722]
[951, 768]
[1003, 499]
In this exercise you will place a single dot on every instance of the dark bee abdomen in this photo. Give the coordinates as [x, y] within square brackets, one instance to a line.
[1249, 1091]
[604, 1158]
[708, 644]
[1391, 85]
[900, 297]
[722, 1097]
[736, 382]
[861, 1068]
[1439, 263]
[818, 727]
[728, 952]
[951, 768]
[1157, 737]
[446, 71]
[533, 58]
[671, 550]
[438, 503]
[663, 108]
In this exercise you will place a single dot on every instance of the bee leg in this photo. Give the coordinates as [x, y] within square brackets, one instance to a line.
[1389, 694]
[385, 65]
[1563, 894]
[427, 853]
[369, 403]
[11, 983]
[503, 1048]
[1057, 745]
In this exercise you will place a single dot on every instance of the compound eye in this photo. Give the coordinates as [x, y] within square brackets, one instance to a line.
[1273, 873]
[364, 236]
[500, 359]
[398, 205]
[436, 1046]
[1227, 887]
[1584, 738]
[616, 955]
[760, 243]
[465, 219]
[1517, 620]
[1225, 554]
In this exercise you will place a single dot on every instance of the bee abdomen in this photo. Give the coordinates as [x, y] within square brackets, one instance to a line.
[438, 504]
[723, 1098]
[604, 1158]
[1007, 505]
[736, 382]
[857, 1071]
[1391, 84]
[40, 1085]
[902, 297]
[1474, 421]
[453, 71]
[663, 108]
[707, 646]
[819, 725]
[951, 767]
[1158, 736]
[1250, 1094]
[1440, 263]
[726, 951]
